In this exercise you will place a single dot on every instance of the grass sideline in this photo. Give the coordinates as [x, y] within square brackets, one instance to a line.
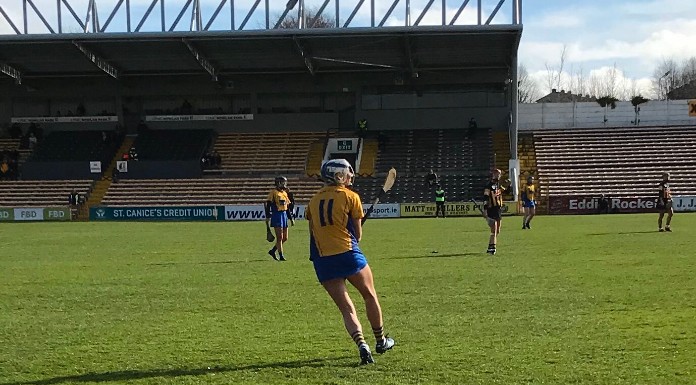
[577, 299]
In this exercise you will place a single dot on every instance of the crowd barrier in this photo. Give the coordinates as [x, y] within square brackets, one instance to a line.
[23, 214]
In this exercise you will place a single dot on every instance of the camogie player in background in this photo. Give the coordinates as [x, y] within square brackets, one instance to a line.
[276, 206]
[334, 215]
[494, 203]
[664, 203]
[528, 203]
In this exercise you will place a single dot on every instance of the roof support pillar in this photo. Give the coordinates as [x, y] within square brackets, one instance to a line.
[11, 72]
[100, 62]
[202, 60]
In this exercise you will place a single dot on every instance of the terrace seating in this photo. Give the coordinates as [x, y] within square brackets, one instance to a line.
[75, 146]
[41, 193]
[417, 151]
[616, 162]
[461, 157]
[206, 191]
[281, 152]
[458, 188]
[172, 144]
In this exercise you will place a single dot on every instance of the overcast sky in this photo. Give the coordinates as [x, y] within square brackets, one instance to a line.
[633, 35]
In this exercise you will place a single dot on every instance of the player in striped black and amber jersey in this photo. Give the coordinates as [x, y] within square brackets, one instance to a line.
[334, 214]
[494, 204]
[664, 203]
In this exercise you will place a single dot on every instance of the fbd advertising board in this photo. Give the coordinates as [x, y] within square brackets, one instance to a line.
[34, 214]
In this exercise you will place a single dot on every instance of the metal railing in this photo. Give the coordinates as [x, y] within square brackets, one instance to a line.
[62, 16]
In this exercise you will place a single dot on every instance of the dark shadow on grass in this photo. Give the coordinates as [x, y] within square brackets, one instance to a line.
[436, 255]
[206, 263]
[623, 232]
[130, 375]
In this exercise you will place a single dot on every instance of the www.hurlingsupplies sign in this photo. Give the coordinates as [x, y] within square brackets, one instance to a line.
[193, 213]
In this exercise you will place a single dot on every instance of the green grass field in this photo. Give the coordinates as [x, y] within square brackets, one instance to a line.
[582, 300]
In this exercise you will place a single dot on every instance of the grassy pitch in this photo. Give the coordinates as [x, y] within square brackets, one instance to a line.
[582, 299]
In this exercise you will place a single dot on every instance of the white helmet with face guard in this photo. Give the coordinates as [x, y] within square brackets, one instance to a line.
[337, 171]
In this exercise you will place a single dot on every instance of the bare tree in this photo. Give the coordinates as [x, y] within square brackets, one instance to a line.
[607, 84]
[554, 73]
[311, 20]
[527, 90]
[662, 77]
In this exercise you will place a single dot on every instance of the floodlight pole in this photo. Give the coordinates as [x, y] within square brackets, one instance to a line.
[659, 84]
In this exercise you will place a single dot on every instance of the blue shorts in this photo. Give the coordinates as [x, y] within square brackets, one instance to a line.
[339, 266]
[530, 204]
[279, 219]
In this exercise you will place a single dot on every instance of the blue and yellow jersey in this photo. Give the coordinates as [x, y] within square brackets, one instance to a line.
[278, 201]
[330, 213]
[529, 193]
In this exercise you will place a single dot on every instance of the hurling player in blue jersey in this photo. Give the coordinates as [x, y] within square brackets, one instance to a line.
[277, 205]
[334, 214]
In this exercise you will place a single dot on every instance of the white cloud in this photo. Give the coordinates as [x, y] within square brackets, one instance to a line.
[561, 20]
[626, 85]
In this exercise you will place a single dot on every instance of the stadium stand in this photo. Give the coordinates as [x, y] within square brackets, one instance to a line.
[277, 152]
[461, 157]
[41, 193]
[314, 158]
[618, 162]
[368, 158]
[205, 191]
[75, 146]
[9, 148]
[172, 144]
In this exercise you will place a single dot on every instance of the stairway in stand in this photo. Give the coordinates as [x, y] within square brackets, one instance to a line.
[102, 185]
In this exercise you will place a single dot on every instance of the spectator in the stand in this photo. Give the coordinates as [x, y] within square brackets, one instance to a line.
[472, 123]
[186, 107]
[217, 159]
[105, 137]
[142, 127]
[432, 178]
[132, 154]
[32, 141]
[15, 131]
[58, 114]
[80, 111]
[205, 161]
[362, 127]
[4, 169]
[13, 172]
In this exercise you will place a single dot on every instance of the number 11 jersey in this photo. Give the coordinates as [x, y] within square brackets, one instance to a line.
[330, 213]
